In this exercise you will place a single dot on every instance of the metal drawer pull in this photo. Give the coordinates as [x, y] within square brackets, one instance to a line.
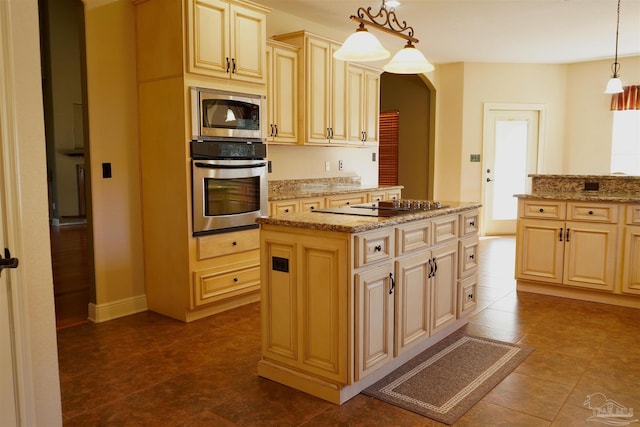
[541, 210]
[567, 238]
[560, 235]
[472, 223]
[393, 283]
[378, 248]
[430, 270]
[472, 256]
[590, 212]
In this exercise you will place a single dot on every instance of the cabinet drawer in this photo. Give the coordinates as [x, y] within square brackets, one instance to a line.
[468, 256]
[307, 205]
[214, 285]
[467, 296]
[376, 196]
[548, 209]
[346, 199]
[469, 223]
[288, 206]
[413, 237]
[227, 243]
[394, 194]
[592, 212]
[444, 229]
[373, 247]
[633, 214]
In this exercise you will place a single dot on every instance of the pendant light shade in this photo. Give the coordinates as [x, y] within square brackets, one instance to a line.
[614, 86]
[409, 60]
[361, 46]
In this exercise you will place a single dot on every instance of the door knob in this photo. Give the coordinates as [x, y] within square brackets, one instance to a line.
[489, 180]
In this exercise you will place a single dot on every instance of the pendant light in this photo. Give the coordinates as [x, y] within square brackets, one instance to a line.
[364, 46]
[615, 85]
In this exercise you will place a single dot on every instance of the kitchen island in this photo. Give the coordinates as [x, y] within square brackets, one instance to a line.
[347, 299]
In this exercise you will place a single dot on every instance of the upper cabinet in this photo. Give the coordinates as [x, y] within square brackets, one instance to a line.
[339, 101]
[282, 93]
[226, 39]
[363, 105]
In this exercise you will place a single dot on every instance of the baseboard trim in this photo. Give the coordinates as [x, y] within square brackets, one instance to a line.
[112, 310]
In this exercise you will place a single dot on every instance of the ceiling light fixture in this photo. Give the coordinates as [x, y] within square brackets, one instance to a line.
[363, 46]
[615, 85]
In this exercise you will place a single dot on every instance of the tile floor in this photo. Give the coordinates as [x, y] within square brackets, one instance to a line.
[149, 370]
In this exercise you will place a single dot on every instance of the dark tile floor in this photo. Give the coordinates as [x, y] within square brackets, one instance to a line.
[149, 370]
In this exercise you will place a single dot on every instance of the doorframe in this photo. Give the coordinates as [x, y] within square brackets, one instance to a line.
[488, 107]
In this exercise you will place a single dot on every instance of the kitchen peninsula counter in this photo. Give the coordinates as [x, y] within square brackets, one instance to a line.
[578, 236]
[347, 299]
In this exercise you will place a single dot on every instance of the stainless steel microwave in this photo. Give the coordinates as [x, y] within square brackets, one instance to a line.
[224, 115]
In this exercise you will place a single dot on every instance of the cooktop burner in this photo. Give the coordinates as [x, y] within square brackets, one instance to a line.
[385, 209]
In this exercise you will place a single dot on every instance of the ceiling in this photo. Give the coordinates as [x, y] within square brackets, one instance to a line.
[516, 31]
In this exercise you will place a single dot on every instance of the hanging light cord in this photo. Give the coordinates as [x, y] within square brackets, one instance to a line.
[616, 66]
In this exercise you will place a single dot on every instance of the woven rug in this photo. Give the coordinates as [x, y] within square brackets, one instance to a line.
[447, 379]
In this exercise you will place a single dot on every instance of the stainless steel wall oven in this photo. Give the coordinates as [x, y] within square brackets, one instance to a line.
[229, 185]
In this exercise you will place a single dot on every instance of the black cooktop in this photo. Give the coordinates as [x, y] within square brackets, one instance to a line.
[378, 209]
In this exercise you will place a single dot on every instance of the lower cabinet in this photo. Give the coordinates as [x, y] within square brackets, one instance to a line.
[631, 272]
[304, 305]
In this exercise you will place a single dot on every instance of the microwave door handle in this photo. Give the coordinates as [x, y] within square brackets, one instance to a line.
[208, 166]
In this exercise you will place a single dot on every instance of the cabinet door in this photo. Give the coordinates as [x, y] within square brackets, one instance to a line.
[355, 102]
[412, 302]
[540, 250]
[285, 206]
[318, 89]
[371, 107]
[282, 94]
[590, 255]
[323, 306]
[374, 319]
[247, 45]
[207, 35]
[338, 102]
[444, 286]
[631, 273]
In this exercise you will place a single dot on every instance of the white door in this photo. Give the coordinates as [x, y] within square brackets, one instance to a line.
[8, 403]
[511, 142]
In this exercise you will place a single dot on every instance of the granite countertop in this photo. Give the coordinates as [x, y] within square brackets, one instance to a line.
[584, 196]
[319, 187]
[356, 223]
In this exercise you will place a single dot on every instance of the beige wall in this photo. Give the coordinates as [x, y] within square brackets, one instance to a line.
[589, 122]
[113, 132]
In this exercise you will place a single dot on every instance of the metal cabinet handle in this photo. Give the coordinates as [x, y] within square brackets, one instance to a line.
[235, 279]
[435, 266]
[276, 127]
[228, 64]
[541, 210]
[472, 223]
[590, 212]
[567, 237]
[233, 61]
[560, 235]
[393, 283]
[472, 256]
[378, 248]
[286, 210]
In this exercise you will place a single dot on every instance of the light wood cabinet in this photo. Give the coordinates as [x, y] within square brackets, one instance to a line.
[322, 89]
[374, 308]
[631, 265]
[226, 39]
[579, 253]
[363, 105]
[282, 93]
[181, 44]
[346, 199]
[304, 322]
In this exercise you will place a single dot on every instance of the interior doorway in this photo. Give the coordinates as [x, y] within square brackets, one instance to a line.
[510, 153]
[64, 97]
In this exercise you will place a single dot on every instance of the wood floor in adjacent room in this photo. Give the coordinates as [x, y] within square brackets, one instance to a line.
[149, 370]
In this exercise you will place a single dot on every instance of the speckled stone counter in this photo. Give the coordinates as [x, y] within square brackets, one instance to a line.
[594, 188]
[318, 187]
[356, 224]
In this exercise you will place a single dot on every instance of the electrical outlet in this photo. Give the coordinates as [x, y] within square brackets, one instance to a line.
[327, 166]
[340, 165]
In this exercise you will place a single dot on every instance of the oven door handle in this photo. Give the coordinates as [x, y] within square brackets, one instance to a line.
[209, 166]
